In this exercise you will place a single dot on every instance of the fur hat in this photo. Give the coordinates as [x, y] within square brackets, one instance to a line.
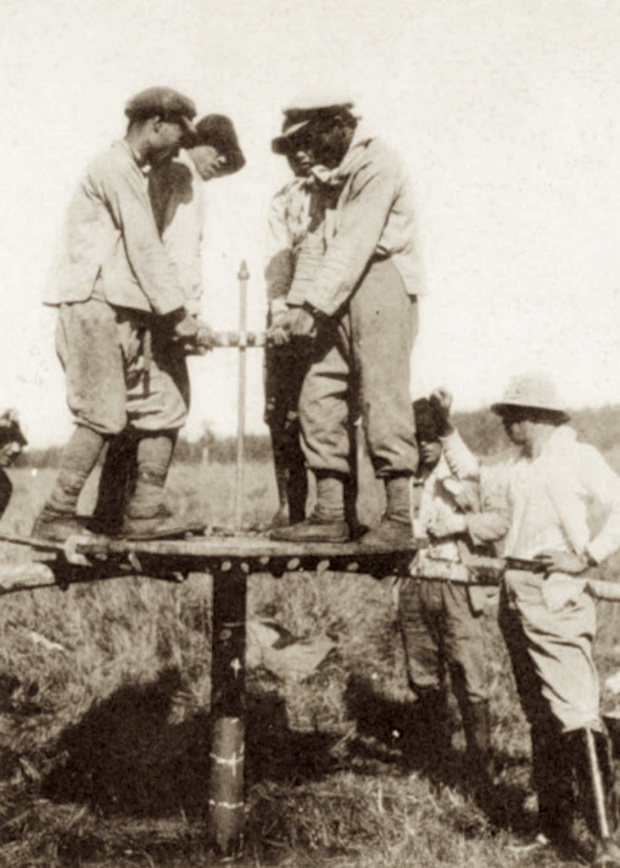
[428, 421]
[219, 131]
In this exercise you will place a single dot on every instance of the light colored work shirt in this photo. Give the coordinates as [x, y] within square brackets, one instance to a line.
[178, 200]
[373, 217]
[558, 496]
[567, 498]
[111, 240]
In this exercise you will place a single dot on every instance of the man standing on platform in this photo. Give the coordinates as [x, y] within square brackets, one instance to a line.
[176, 190]
[115, 287]
[358, 309]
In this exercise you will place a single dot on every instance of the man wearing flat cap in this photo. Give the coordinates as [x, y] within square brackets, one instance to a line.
[358, 309]
[557, 490]
[115, 288]
[176, 190]
[441, 616]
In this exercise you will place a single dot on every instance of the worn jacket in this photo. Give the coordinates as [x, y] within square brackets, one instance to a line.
[372, 217]
[111, 241]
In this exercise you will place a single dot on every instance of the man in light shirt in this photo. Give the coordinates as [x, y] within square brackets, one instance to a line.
[114, 286]
[358, 308]
[553, 485]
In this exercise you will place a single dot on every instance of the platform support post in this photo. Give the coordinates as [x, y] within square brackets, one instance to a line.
[226, 779]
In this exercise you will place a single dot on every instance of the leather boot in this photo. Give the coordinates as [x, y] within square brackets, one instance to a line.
[116, 483]
[481, 767]
[591, 752]
[146, 512]
[58, 520]
[554, 783]
[428, 741]
[395, 528]
[327, 521]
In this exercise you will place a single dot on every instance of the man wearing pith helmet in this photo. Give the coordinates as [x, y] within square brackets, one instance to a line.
[358, 309]
[114, 284]
[552, 484]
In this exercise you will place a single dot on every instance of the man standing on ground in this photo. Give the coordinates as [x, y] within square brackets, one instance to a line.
[440, 615]
[358, 308]
[115, 288]
[553, 485]
[176, 190]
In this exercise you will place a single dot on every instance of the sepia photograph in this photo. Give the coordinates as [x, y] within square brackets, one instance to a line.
[310, 434]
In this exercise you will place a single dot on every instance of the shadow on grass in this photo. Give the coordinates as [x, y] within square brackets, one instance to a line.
[125, 756]
[396, 731]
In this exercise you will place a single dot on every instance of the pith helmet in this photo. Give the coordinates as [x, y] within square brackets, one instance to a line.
[532, 390]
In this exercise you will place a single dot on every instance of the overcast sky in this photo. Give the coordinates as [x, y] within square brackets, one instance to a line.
[506, 112]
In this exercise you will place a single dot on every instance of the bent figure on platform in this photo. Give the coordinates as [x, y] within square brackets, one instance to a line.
[176, 190]
[357, 311]
[120, 305]
[441, 617]
[552, 484]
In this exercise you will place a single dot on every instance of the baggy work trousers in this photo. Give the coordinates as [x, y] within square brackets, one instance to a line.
[551, 654]
[101, 349]
[361, 360]
[441, 633]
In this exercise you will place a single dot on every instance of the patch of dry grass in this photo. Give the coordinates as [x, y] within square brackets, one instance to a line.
[104, 734]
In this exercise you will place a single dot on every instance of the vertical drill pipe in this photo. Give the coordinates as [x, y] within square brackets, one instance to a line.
[243, 277]
[227, 758]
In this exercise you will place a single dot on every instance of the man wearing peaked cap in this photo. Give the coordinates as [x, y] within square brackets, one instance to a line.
[356, 303]
[176, 190]
[564, 514]
[115, 286]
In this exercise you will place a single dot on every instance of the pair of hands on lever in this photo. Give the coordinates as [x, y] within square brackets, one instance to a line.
[196, 336]
[296, 322]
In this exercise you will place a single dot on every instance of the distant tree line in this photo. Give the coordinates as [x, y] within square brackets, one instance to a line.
[481, 430]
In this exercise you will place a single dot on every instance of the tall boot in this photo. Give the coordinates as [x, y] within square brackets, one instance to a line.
[595, 775]
[481, 767]
[146, 512]
[57, 520]
[395, 528]
[327, 522]
[116, 483]
[428, 740]
[553, 782]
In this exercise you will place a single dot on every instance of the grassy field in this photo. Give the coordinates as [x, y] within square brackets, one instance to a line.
[104, 719]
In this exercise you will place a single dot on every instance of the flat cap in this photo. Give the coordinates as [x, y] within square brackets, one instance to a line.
[304, 109]
[219, 132]
[310, 103]
[169, 104]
